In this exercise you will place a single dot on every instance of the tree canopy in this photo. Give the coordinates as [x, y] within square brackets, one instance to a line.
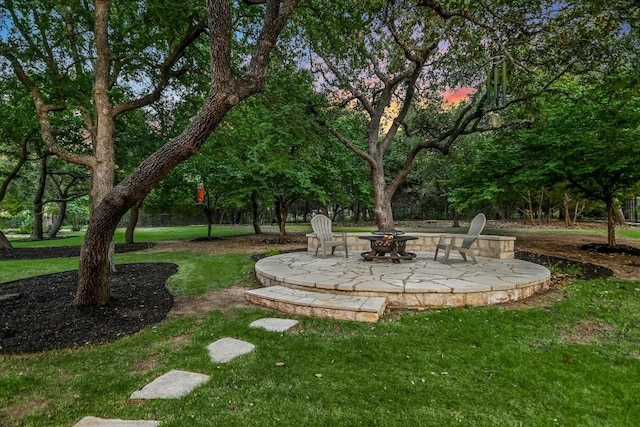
[393, 62]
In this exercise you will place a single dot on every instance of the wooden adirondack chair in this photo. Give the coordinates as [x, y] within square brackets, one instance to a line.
[322, 227]
[477, 224]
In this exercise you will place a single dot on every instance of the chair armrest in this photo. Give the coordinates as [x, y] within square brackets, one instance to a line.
[443, 237]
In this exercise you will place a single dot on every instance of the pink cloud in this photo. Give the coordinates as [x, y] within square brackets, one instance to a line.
[458, 95]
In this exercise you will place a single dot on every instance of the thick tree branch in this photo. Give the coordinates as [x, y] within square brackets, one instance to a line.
[165, 71]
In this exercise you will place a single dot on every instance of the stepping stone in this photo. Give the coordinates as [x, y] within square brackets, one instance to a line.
[273, 324]
[319, 304]
[102, 422]
[171, 385]
[226, 349]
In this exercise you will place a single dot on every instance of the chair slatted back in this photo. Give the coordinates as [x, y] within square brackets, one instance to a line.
[475, 228]
[322, 227]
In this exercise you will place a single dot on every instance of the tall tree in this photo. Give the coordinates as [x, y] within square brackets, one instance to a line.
[61, 54]
[123, 57]
[590, 139]
[402, 57]
[228, 87]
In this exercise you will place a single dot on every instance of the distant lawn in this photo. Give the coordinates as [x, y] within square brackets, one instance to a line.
[142, 234]
[155, 234]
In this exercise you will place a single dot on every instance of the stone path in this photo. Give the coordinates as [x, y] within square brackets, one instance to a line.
[171, 385]
[102, 422]
[274, 324]
[175, 383]
[226, 349]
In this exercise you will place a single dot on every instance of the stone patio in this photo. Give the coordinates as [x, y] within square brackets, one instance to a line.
[420, 283]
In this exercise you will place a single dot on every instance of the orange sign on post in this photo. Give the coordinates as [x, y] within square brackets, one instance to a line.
[200, 195]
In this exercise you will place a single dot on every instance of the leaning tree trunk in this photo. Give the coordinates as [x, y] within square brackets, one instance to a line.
[225, 92]
[4, 242]
[57, 224]
[94, 271]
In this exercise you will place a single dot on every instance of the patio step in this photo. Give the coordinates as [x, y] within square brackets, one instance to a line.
[319, 304]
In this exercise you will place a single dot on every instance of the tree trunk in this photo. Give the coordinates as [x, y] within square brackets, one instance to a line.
[134, 214]
[209, 214]
[93, 274]
[456, 218]
[620, 219]
[57, 224]
[255, 213]
[282, 210]
[611, 223]
[383, 210]
[38, 232]
[567, 214]
[225, 92]
[4, 242]
[95, 268]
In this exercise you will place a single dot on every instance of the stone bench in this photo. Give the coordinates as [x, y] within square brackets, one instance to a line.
[489, 246]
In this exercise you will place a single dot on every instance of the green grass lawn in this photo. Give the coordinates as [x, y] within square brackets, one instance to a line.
[142, 234]
[571, 361]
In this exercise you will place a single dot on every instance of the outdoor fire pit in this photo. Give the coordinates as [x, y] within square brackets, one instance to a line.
[388, 244]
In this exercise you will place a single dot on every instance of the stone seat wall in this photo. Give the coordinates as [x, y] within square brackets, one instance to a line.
[490, 246]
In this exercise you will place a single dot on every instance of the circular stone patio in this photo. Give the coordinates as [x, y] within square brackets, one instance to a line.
[419, 283]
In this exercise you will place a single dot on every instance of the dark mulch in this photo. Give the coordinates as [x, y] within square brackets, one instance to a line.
[62, 251]
[603, 248]
[205, 239]
[586, 270]
[37, 314]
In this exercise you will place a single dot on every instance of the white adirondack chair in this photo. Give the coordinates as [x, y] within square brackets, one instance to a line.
[477, 224]
[322, 227]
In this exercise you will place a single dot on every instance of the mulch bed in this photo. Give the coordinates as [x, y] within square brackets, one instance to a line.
[586, 270]
[38, 314]
[62, 251]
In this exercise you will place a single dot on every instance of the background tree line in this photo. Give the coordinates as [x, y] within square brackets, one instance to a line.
[337, 105]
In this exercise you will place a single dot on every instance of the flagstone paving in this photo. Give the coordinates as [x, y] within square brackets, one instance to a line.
[419, 283]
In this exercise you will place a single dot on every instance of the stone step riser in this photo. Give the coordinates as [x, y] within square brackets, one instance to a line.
[318, 304]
